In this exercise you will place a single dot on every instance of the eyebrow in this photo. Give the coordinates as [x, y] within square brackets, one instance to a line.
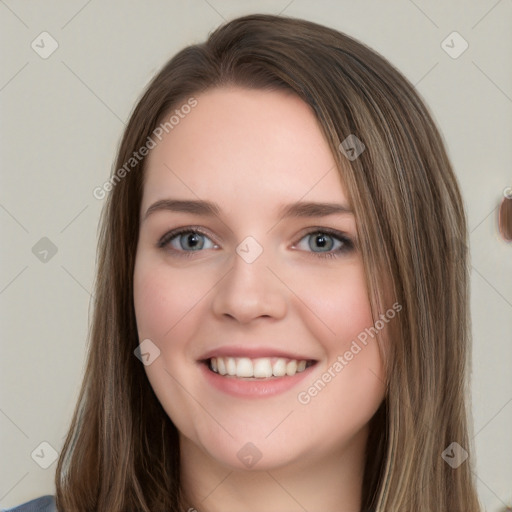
[209, 209]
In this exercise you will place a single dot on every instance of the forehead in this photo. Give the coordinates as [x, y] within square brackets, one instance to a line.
[244, 144]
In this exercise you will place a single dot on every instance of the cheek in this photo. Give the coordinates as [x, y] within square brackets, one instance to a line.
[166, 313]
[163, 298]
[152, 301]
[350, 385]
[338, 303]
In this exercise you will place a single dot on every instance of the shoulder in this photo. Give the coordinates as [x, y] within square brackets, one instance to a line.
[42, 504]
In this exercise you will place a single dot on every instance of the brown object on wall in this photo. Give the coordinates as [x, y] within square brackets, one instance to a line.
[505, 216]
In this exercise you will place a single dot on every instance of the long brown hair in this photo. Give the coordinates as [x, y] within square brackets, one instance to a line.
[121, 452]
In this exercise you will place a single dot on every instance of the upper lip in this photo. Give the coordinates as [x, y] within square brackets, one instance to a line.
[252, 353]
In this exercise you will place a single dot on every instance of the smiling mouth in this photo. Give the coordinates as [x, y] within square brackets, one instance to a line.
[257, 368]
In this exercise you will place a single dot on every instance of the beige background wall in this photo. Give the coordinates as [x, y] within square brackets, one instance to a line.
[62, 117]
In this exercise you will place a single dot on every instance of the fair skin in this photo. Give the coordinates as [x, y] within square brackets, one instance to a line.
[251, 152]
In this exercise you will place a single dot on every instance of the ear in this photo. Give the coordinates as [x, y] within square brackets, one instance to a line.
[505, 215]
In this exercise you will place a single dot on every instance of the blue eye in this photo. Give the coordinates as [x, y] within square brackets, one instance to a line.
[186, 241]
[192, 242]
[326, 240]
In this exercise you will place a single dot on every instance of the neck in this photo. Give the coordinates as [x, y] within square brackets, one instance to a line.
[331, 482]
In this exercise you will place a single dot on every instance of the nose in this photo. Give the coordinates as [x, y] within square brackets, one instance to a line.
[249, 291]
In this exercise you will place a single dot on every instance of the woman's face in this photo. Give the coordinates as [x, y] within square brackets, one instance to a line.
[254, 292]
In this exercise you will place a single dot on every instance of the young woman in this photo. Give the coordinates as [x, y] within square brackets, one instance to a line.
[281, 317]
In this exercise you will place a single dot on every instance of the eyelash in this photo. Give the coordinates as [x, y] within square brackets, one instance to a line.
[348, 243]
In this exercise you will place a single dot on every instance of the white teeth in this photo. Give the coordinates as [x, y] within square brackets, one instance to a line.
[221, 366]
[291, 368]
[279, 368]
[244, 367]
[262, 367]
[231, 366]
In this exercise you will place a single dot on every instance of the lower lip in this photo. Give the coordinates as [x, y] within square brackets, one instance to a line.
[253, 388]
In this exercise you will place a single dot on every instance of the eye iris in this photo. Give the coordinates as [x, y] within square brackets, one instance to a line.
[322, 241]
[191, 238]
